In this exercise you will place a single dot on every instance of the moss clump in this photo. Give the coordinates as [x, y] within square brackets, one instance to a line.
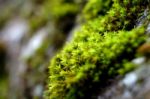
[98, 53]
[122, 15]
[89, 61]
[93, 8]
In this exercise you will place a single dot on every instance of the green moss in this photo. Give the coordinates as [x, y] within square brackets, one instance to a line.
[89, 61]
[96, 7]
[120, 16]
[98, 53]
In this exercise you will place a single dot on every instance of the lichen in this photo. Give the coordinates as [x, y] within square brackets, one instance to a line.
[99, 52]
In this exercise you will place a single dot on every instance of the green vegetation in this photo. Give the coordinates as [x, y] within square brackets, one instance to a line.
[90, 60]
[96, 7]
[99, 52]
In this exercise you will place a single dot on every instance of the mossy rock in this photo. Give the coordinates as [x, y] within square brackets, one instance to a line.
[87, 64]
[98, 53]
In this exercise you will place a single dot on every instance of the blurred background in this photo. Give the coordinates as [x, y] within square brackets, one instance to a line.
[31, 32]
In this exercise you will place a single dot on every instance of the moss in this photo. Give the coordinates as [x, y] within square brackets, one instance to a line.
[88, 63]
[120, 16]
[96, 7]
[100, 52]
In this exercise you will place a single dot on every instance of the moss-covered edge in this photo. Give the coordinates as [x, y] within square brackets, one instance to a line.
[98, 53]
